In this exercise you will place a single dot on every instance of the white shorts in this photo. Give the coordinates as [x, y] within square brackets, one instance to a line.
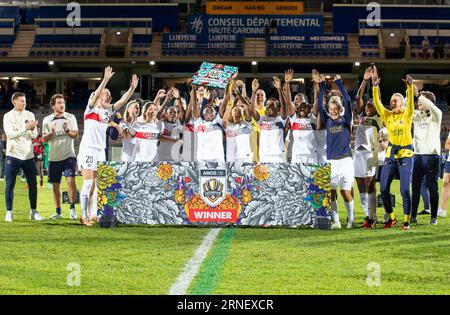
[366, 163]
[272, 159]
[305, 158]
[88, 158]
[342, 173]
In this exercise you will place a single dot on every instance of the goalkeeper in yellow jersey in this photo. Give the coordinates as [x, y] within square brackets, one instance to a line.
[399, 153]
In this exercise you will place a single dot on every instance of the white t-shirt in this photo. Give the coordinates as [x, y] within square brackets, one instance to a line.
[19, 142]
[61, 146]
[427, 127]
[304, 141]
[169, 151]
[271, 139]
[367, 133]
[209, 139]
[127, 144]
[146, 137]
[189, 153]
[238, 142]
[95, 124]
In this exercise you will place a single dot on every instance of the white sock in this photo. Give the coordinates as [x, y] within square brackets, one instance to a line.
[85, 197]
[93, 203]
[364, 203]
[334, 212]
[372, 205]
[349, 206]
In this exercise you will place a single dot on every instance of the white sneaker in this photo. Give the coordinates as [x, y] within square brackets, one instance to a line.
[350, 225]
[336, 226]
[2, 179]
[9, 216]
[433, 221]
[73, 214]
[56, 216]
[35, 216]
[442, 213]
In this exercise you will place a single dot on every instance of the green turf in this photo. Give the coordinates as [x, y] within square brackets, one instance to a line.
[127, 260]
[304, 261]
[142, 260]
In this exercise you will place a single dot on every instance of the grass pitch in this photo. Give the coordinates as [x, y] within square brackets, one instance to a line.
[39, 257]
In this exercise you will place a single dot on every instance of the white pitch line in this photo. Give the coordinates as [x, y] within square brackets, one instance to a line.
[181, 285]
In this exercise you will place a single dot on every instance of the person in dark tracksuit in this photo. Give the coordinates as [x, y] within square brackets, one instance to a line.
[399, 153]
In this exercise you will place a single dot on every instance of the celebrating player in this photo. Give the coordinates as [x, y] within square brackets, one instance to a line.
[259, 100]
[172, 116]
[366, 152]
[427, 149]
[237, 131]
[399, 153]
[59, 130]
[271, 124]
[93, 142]
[130, 116]
[147, 134]
[338, 122]
[302, 125]
[209, 133]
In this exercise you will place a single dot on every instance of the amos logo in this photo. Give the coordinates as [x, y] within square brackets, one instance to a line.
[213, 186]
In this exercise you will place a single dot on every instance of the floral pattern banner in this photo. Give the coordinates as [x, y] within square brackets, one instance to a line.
[214, 193]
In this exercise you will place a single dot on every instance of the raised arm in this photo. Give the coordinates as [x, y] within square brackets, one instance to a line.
[192, 101]
[435, 111]
[383, 112]
[277, 85]
[225, 108]
[106, 77]
[179, 103]
[196, 110]
[346, 98]
[362, 89]
[316, 80]
[161, 93]
[254, 112]
[226, 98]
[409, 96]
[342, 89]
[163, 107]
[288, 76]
[321, 85]
[124, 99]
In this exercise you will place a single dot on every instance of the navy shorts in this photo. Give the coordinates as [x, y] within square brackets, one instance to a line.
[447, 167]
[68, 167]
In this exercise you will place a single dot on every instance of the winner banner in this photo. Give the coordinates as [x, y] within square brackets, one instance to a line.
[196, 193]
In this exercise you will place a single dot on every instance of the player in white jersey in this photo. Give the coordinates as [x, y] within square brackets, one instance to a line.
[172, 116]
[124, 127]
[366, 152]
[189, 149]
[147, 135]
[59, 130]
[302, 125]
[237, 122]
[271, 139]
[93, 142]
[209, 133]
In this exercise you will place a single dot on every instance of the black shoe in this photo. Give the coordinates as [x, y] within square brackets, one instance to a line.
[423, 212]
